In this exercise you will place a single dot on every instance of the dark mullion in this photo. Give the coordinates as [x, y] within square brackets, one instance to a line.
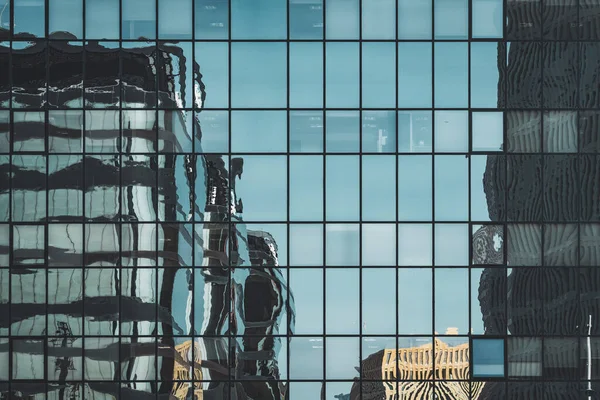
[433, 41]
[83, 235]
[230, 228]
[159, 62]
[396, 383]
[288, 328]
[46, 225]
[324, 207]
[192, 158]
[360, 202]
[10, 204]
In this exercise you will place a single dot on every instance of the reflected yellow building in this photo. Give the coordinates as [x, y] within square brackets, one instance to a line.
[185, 371]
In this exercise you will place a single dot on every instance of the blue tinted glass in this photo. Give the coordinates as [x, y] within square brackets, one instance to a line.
[5, 16]
[66, 16]
[306, 131]
[379, 19]
[214, 128]
[484, 75]
[414, 19]
[451, 74]
[306, 75]
[306, 19]
[342, 131]
[211, 19]
[175, 19]
[451, 188]
[414, 75]
[342, 241]
[488, 358]
[306, 188]
[342, 188]
[258, 131]
[414, 188]
[342, 75]
[258, 19]
[139, 19]
[451, 19]
[487, 18]
[378, 75]
[258, 75]
[102, 19]
[379, 131]
[213, 59]
[378, 188]
[30, 17]
[342, 19]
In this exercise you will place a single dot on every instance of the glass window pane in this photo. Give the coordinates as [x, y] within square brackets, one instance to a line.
[414, 75]
[306, 131]
[66, 16]
[102, 19]
[342, 305]
[378, 75]
[414, 188]
[258, 131]
[342, 188]
[306, 284]
[451, 75]
[306, 19]
[342, 19]
[342, 131]
[479, 200]
[451, 19]
[5, 19]
[415, 301]
[451, 188]
[175, 19]
[306, 188]
[487, 18]
[259, 75]
[379, 19]
[306, 357]
[524, 357]
[379, 188]
[451, 131]
[213, 59]
[211, 19]
[451, 244]
[415, 245]
[451, 300]
[30, 17]
[414, 19]
[379, 244]
[342, 75]
[415, 131]
[378, 299]
[139, 19]
[378, 132]
[212, 131]
[306, 245]
[488, 131]
[306, 75]
[342, 245]
[259, 19]
[485, 75]
[488, 358]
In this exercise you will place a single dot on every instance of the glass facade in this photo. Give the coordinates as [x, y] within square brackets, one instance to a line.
[299, 199]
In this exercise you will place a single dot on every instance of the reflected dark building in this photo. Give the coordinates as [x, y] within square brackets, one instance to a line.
[121, 229]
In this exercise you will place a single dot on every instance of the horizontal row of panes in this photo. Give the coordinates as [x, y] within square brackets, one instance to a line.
[262, 19]
[265, 131]
[367, 75]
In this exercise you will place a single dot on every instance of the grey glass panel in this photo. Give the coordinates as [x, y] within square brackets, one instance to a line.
[258, 75]
[524, 356]
[414, 19]
[211, 19]
[307, 286]
[306, 188]
[342, 19]
[342, 188]
[306, 74]
[139, 177]
[414, 188]
[524, 245]
[378, 75]
[213, 57]
[378, 188]
[29, 187]
[258, 131]
[5, 138]
[29, 17]
[306, 245]
[451, 74]
[5, 22]
[379, 19]
[523, 28]
[488, 358]
[66, 16]
[263, 199]
[261, 19]
[451, 300]
[342, 301]
[102, 19]
[65, 131]
[560, 131]
[175, 19]
[415, 245]
[28, 131]
[451, 188]
[306, 19]
[415, 301]
[378, 299]
[138, 19]
[451, 19]
[342, 133]
[306, 358]
[27, 359]
[486, 17]
[414, 75]
[342, 74]
[306, 131]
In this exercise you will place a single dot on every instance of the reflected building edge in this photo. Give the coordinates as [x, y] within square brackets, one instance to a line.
[125, 211]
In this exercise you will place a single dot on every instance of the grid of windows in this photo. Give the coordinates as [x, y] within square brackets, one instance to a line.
[364, 199]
